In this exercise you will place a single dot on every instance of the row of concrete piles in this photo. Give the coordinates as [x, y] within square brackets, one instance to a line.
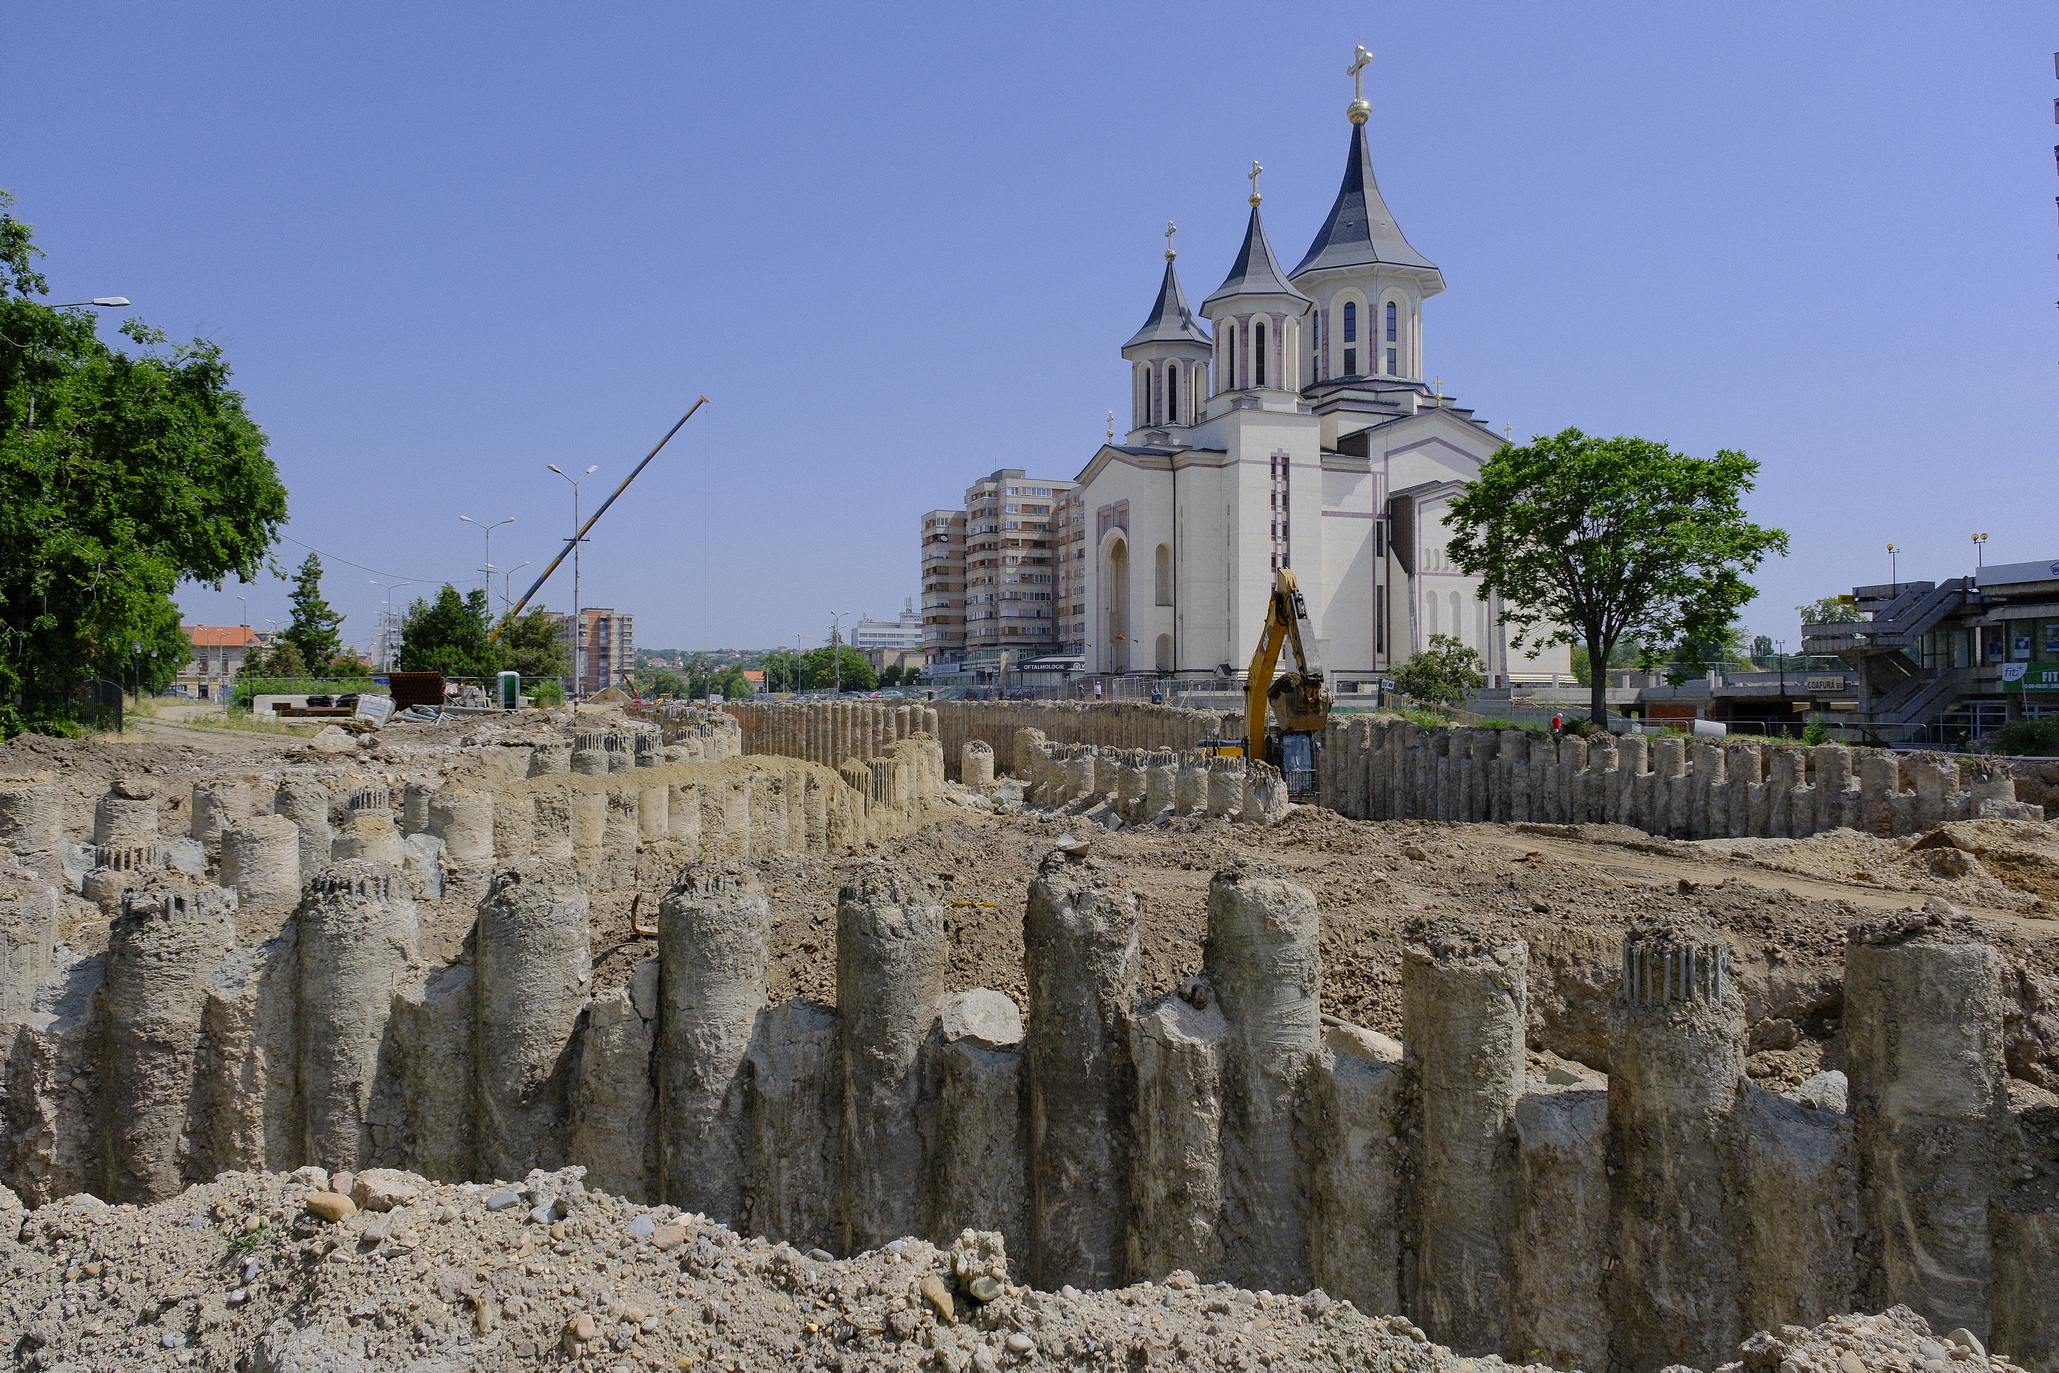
[830, 732]
[1645, 1219]
[258, 840]
[1142, 786]
[1387, 769]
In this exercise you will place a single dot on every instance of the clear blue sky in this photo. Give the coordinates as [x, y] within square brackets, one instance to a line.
[898, 246]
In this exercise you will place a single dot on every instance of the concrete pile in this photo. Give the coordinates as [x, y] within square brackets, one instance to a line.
[831, 732]
[1391, 769]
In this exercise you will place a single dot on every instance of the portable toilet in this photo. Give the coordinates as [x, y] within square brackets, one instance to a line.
[510, 690]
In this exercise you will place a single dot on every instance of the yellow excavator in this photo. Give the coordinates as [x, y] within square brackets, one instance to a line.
[1285, 712]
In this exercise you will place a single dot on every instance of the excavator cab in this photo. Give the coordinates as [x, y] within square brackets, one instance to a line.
[1286, 713]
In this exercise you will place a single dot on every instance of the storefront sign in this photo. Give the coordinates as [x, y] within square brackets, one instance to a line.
[2030, 676]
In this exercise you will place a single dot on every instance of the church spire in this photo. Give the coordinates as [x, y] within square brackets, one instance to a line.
[1361, 231]
[1171, 321]
[1256, 272]
[1168, 359]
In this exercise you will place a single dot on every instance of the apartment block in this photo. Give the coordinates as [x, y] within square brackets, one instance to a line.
[1011, 568]
[943, 586]
[606, 648]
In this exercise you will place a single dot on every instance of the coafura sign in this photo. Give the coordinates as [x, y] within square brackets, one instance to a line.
[2030, 676]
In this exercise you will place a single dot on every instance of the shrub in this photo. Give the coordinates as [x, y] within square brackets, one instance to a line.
[2026, 738]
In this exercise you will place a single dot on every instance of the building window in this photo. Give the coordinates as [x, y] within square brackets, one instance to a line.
[1172, 395]
[1351, 362]
[1351, 321]
[1390, 321]
[1392, 369]
[1164, 575]
[1258, 356]
[1282, 476]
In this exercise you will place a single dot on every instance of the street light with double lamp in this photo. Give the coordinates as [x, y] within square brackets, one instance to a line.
[1980, 548]
[578, 672]
[486, 572]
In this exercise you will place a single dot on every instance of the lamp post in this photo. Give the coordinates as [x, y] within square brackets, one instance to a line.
[1894, 577]
[578, 667]
[1980, 546]
[109, 302]
[486, 572]
[507, 599]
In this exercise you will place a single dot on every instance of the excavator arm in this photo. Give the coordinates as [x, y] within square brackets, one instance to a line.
[1297, 697]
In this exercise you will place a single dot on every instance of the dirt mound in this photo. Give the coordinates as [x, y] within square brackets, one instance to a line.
[503, 1278]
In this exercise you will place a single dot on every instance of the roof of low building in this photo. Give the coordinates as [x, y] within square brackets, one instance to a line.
[220, 636]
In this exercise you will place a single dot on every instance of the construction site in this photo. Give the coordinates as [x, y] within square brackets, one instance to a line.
[856, 1034]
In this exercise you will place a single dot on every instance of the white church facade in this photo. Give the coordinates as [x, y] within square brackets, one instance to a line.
[1287, 425]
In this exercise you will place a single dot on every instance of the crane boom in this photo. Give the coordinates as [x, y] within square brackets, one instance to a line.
[592, 519]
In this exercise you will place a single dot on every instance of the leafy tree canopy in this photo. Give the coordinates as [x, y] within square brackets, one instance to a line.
[536, 645]
[120, 476]
[1444, 673]
[448, 635]
[1606, 541]
[314, 625]
[1828, 611]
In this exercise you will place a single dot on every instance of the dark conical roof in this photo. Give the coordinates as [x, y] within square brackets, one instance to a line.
[1360, 230]
[1171, 321]
[1256, 271]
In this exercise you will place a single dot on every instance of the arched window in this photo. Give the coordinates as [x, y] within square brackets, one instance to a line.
[1164, 575]
[1430, 616]
[1258, 355]
[1458, 619]
[1351, 321]
[1390, 321]
[1164, 654]
[1172, 393]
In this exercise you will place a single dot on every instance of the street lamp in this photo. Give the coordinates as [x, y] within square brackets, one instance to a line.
[1980, 548]
[246, 610]
[110, 302]
[486, 572]
[1894, 577]
[506, 586]
[578, 667]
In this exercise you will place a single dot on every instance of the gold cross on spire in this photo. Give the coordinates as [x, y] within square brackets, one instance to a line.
[1111, 426]
[1359, 111]
[1170, 229]
[1252, 177]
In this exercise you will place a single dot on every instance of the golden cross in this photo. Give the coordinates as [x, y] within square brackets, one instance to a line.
[1440, 388]
[1111, 426]
[1252, 177]
[1170, 229]
[1356, 72]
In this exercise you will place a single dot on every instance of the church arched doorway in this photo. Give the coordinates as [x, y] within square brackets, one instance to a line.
[1115, 606]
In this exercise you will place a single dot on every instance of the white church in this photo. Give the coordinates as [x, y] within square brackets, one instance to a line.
[1293, 429]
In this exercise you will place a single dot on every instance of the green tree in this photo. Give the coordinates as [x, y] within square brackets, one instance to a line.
[534, 644]
[1607, 541]
[1693, 655]
[281, 660]
[1444, 673]
[314, 625]
[779, 671]
[820, 672]
[1829, 611]
[660, 681]
[120, 476]
[448, 635]
[731, 684]
[890, 675]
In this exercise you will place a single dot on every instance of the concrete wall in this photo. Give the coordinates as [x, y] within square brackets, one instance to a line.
[1389, 769]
